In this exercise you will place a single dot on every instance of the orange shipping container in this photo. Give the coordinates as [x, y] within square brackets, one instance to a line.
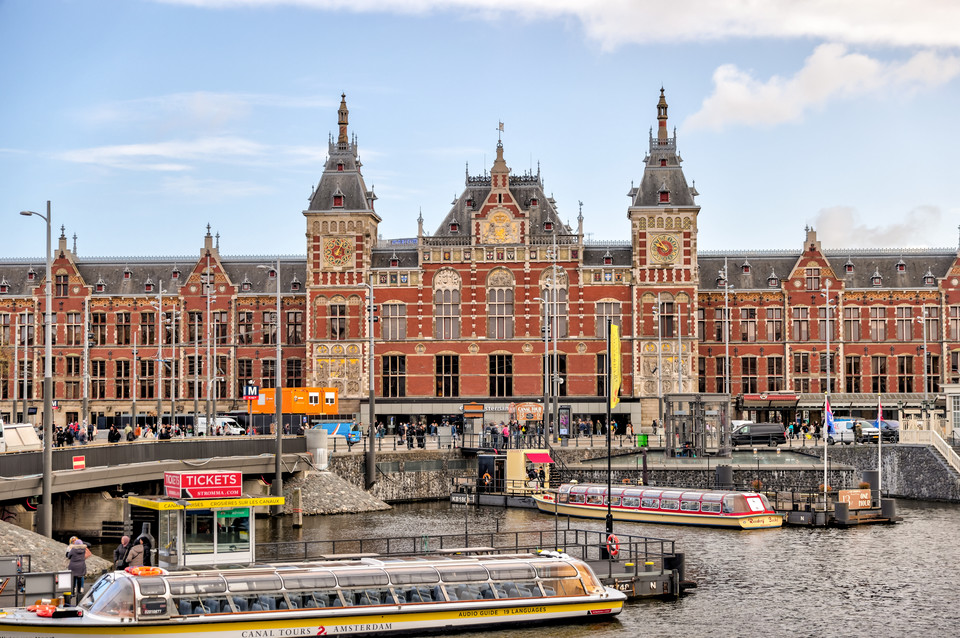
[310, 401]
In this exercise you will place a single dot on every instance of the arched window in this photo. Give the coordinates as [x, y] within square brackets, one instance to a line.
[500, 286]
[446, 303]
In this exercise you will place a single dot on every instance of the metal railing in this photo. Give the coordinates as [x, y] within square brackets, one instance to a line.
[930, 437]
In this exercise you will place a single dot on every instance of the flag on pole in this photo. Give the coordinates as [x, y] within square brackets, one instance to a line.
[501, 126]
[879, 414]
[828, 416]
[615, 378]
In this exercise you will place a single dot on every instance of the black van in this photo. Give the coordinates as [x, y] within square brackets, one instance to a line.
[758, 434]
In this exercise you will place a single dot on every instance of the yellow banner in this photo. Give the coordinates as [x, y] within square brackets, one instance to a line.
[253, 501]
[615, 376]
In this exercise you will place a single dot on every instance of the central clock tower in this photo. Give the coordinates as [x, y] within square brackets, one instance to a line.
[663, 219]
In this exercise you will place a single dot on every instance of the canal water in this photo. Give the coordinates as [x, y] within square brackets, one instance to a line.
[868, 581]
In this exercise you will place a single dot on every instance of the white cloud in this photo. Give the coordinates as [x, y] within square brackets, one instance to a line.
[841, 226]
[617, 22]
[830, 73]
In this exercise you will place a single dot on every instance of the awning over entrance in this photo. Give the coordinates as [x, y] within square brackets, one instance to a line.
[166, 504]
[770, 400]
[889, 400]
[538, 457]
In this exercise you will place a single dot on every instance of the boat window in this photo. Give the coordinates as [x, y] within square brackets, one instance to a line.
[117, 600]
[511, 571]
[413, 576]
[250, 582]
[690, 506]
[631, 501]
[691, 496]
[565, 488]
[201, 605]
[669, 504]
[652, 493]
[188, 585]
[712, 496]
[672, 494]
[594, 499]
[590, 580]
[367, 596]
[96, 591]
[710, 507]
[469, 591]
[563, 498]
[314, 580]
[636, 493]
[766, 503]
[754, 503]
[555, 570]
[650, 503]
[241, 602]
[576, 498]
[511, 589]
[362, 578]
[312, 599]
[459, 573]
[419, 594]
[735, 504]
[614, 501]
[151, 586]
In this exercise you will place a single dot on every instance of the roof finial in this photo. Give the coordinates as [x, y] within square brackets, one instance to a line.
[499, 129]
[218, 240]
[74, 243]
[63, 231]
[208, 229]
[342, 116]
[662, 117]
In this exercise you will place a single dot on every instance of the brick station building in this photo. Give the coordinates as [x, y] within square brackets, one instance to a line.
[461, 310]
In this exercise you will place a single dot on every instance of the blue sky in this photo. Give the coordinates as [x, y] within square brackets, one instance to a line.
[143, 120]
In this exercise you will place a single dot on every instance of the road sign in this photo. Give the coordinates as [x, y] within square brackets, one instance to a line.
[251, 392]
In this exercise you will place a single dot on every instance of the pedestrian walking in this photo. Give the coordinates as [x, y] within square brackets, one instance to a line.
[120, 553]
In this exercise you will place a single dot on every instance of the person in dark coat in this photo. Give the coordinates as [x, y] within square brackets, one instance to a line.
[120, 553]
[77, 555]
[136, 554]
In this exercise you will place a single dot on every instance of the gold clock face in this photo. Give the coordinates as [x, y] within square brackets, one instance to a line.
[664, 249]
[335, 251]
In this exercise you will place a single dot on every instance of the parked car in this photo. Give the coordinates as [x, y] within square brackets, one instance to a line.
[758, 434]
[890, 430]
[846, 432]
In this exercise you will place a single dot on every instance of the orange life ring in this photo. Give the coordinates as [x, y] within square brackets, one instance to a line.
[146, 571]
[613, 545]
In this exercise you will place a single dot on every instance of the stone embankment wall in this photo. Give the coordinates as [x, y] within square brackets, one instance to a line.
[908, 471]
[46, 555]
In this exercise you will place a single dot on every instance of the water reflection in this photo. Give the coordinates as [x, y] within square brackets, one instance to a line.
[876, 580]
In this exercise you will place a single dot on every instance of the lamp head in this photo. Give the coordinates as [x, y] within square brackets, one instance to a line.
[27, 213]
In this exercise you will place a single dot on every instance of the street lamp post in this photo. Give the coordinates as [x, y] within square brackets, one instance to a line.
[923, 328]
[278, 404]
[371, 459]
[46, 515]
[656, 315]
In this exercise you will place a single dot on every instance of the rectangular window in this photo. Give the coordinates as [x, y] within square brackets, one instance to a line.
[244, 328]
[122, 385]
[62, 284]
[813, 278]
[748, 374]
[6, 331]
[851, 324]
[775, 374]
[269, 328]
[74, 366]
[701, 324]
[933, 375]
[294, 327]
[954, 319]
[801, 372]
[878, 324]
[98, 321]
[448, 375]
[74, 327]
[244, 374]
[195, 327]
[447, 320]
[607, 310]
[268, 373]
[904, 323]
[931, 323]
[720, 376]
[148, 328]
[602, 374]
[774, 324]
[851, 373]
[721, 325]
[171, 373]
[171, 327]
[878, 374]
[701, 374]
[824, 333]
[123, 329]
[145, 380]
[98, 379]
[500, 313]
[393, 317]
[294, 373]
[953, 370]
[667, 320]
[501, 375]
[220, 376]
[905, 374]
[830, 365]
[338, 322]
[394, 375]
[748, 325]
[801, 324]
[221, 325]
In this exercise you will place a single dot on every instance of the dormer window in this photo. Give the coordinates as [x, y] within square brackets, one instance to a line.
[876, 280]
[272, 274]
[607, 259]
[663, 162]
[394, 261]
[295, 286]
[127, 273]
[100, 286]
[339, 167]
[31, 275]
[745, 268]
[470, 202]
[245, 286]
[548, 226]
[147, 287]
[175, 274]
[534, 202]
[4, 286]
[848, 267]
[929, 279]
[338, 201]
[721, 282]
[454, 227]
[901, 266]
[773, 282]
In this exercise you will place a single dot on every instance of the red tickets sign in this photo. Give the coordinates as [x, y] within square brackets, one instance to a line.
[203, 484]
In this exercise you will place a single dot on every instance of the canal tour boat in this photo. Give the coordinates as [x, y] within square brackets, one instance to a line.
[714, 508]
[365, 596]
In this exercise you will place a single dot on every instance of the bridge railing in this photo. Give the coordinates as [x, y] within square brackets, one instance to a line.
[930, 437]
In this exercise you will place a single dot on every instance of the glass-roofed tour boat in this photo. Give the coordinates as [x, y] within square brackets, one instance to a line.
[365, 596]
[714, 508]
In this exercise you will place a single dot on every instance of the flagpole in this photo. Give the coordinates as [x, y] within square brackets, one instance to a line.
[826, 431]
[879, 447]
[609, 385]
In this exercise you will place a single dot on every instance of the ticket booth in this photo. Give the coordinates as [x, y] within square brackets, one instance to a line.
[204, 520]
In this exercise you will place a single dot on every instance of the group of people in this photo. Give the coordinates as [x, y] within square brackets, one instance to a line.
[415, 434]
[801, 430]
[73, 434]
[126, 554]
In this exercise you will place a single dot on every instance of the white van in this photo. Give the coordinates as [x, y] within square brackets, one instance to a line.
[19, 437]
[226, 424]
